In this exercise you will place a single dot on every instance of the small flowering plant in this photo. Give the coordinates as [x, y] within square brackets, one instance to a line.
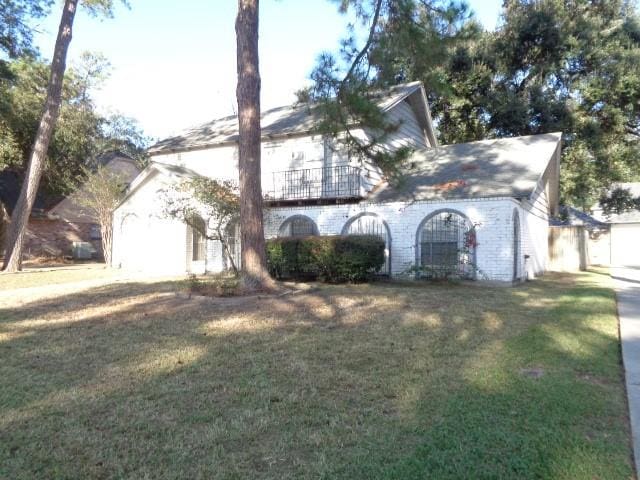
[470, 238]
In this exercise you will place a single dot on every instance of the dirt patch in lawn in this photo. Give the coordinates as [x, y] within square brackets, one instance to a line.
[221, 286]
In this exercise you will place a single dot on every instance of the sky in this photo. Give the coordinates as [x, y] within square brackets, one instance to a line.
[173, 62]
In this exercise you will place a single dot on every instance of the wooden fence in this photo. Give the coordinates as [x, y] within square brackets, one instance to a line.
[568, 249]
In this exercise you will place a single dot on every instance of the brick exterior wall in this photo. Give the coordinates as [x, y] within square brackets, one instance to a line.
[493, 219]
[153, 244]
[145, 241]
[54, 238]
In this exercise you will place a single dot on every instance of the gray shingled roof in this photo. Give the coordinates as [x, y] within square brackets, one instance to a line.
[507, 167]
[571, 216]
[276, 122]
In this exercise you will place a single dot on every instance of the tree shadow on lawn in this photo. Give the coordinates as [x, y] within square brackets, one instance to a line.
[361, 381]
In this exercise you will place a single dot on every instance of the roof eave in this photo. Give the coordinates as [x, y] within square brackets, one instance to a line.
[412, 88]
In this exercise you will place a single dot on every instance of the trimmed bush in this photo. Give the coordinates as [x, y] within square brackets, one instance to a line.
[335, 259]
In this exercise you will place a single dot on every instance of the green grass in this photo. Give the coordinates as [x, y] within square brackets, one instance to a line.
[39, 278]
[364, 381]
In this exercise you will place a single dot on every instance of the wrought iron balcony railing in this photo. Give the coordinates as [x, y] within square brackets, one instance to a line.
[339, 182]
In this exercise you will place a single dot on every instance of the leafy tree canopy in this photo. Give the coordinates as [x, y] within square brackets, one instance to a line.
[345, 86]
[618, 201]
[16, 35]
[81, 133]
[569, 65]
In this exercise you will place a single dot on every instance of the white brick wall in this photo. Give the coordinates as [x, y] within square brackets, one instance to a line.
[152, 243]
[494, 217]
[161, 245]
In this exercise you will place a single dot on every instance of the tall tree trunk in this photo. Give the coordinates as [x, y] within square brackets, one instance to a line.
[254, 264]
[22, 211]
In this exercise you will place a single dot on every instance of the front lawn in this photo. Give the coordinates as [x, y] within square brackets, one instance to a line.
[361, 381]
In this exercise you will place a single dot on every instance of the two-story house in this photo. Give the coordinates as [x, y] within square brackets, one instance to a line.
[485, 204]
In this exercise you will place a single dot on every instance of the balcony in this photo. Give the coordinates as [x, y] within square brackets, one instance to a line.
[339, 184]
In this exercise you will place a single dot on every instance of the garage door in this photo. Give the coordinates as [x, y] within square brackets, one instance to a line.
[625, 244]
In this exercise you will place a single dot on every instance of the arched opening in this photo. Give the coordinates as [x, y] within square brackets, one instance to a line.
[372, 224]
[232, 239]
[445, 246]
[516, 245]
[298, 226]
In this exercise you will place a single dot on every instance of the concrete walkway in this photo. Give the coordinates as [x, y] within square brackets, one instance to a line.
[627, 284]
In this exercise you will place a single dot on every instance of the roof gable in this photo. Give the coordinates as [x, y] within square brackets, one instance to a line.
[155, 168]
[507, 167]
[290, 120]
[70, 208]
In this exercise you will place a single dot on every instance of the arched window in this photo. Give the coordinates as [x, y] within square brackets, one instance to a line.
[446, 246]
[516, 245]
[371, 224]
[232, 239]
[298, 226]
[198, 229]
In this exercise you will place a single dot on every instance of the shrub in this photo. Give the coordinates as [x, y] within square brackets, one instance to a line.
[335, 259]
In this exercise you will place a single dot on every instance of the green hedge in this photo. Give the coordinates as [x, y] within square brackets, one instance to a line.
[349, 258]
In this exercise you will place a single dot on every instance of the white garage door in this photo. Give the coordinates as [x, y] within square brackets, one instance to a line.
[625, 244]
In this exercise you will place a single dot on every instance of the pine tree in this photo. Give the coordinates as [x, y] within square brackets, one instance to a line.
[254, 263]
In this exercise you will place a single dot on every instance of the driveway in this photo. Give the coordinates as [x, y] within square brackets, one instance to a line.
[627, 284]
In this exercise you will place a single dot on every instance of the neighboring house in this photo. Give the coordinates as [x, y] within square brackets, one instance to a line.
[485, 203]
[55, 225]
[10, 184]
[624, 230]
